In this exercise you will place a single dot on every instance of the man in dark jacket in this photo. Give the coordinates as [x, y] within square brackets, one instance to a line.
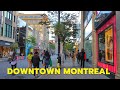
[35, 61]
[78, 57]
[59, 59]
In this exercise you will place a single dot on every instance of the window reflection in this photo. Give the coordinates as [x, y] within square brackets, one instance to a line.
[106, 45]
[88, 29]
[101, 40]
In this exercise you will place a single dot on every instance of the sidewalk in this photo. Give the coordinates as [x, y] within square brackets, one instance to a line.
[68, 64]
[3, 59]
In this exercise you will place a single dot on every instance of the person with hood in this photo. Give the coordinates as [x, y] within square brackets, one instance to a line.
[35, 61]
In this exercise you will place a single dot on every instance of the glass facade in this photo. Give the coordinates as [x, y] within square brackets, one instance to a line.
[88, 48]
[8, 15]
[8, 30]
[88, 36]
[88, 29]
[87, 19]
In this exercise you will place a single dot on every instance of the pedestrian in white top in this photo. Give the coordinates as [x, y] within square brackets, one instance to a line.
[13, 61]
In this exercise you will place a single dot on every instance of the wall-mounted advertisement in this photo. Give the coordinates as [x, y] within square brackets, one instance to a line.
[109, 44]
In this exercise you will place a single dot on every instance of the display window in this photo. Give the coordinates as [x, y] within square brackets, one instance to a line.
[105, 44]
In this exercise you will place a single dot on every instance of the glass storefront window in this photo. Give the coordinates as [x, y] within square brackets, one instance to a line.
[106, 45]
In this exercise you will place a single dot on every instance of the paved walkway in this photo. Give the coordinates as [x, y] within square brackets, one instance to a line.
[24, 64]
[68, 64]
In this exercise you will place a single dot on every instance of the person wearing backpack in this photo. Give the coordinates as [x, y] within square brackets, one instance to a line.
[83, 57]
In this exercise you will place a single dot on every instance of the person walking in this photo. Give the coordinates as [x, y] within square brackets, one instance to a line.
[29, 58]
[35, 61]
[63, 58]
[10, 55]
[78, 57]
[43, 56]
[73, 58]
[65, 55]
[13, 61]
[59, 60]
[83, 57]
[47, 59]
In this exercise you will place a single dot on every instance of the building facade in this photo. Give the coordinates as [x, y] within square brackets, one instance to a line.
[7, 31]
[104, 35]
[86, 33]
[106, 45]
[34, 20]
[21, 35]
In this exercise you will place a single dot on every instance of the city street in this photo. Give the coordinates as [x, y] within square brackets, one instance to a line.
[4, 64]
[68, 63]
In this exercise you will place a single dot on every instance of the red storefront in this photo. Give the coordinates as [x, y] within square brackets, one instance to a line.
[105, 26]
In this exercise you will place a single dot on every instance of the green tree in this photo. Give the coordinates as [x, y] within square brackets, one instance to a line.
[52, 46]
[63, 29]
[68, 46]
[14, 46]
[31, 40]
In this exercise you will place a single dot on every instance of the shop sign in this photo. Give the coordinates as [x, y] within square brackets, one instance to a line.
[4, 43]
[101, 17]
[7, 43]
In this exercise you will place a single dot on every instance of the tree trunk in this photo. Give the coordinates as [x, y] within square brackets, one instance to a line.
[58, 36]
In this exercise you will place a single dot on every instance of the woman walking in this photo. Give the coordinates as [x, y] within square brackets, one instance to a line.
[13, 61]
[29, 58]
[73, 58]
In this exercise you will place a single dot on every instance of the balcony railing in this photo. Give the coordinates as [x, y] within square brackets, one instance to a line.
[101, 17]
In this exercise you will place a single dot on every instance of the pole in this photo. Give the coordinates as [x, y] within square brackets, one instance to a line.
[58, 36]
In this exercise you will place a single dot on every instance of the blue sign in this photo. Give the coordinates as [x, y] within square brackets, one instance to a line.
[5, 43]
